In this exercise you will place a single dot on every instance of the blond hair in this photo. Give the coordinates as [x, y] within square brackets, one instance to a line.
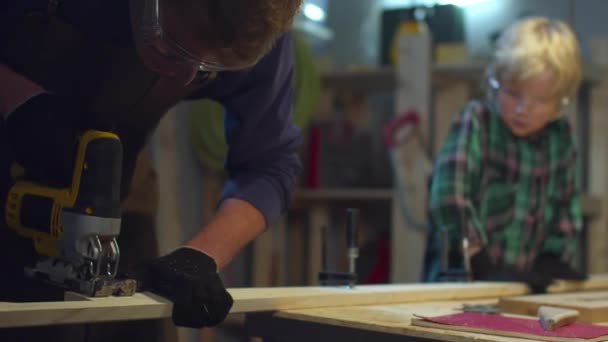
[535, 45]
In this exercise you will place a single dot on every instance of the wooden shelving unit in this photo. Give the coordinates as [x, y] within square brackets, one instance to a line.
[384, 78]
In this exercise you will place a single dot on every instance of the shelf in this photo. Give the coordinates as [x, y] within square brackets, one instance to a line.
[384, 78]
[380, 79]
[338, 194]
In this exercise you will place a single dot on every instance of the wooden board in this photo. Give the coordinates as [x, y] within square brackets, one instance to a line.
[139, 306]
[592, 305]
[286, 298]
[392, 319]
[149, 306]
[593, 283]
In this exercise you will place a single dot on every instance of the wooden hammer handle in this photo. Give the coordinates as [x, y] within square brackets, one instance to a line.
[551, 318]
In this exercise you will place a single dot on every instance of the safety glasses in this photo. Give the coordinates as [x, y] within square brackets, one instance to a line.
[522, 100]
[155, 37]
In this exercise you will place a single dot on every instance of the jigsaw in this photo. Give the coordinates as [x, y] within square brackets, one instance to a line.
[74, 229]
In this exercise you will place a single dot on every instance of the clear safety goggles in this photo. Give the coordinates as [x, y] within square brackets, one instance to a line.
[158, 39]
[522, 100]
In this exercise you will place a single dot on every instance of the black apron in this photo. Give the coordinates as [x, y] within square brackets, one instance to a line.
[110, 82]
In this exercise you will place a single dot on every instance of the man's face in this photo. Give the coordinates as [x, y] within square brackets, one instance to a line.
[527, 106]
[179, 53]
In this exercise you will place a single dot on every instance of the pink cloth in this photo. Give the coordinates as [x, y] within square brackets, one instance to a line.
[518, 325]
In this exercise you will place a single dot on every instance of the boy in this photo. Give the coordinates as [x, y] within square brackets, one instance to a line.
[505, 177]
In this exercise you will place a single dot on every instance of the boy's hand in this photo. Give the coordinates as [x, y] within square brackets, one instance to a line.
[553, 266]
[188, 277]
[546, 268]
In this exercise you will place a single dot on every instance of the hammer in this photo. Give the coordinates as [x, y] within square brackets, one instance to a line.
[551, 318]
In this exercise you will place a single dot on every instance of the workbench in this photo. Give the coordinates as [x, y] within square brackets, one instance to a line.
[363, 323]
[386, 322]
[305, 313]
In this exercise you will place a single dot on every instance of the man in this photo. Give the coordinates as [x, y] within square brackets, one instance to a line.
[72, 65]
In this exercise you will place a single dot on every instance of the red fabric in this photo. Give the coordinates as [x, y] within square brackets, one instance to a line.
[379, 273]
[518, 325]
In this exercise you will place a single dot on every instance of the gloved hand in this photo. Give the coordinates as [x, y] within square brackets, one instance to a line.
[546, 268]
[189, 278]
[43, 135]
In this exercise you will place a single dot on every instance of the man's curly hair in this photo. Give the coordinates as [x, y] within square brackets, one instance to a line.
[241, 31]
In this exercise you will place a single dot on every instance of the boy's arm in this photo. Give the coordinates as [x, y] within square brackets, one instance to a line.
[454, 183]
[563, 238]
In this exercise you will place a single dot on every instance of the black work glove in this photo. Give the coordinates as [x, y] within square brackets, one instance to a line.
[42, 134]
[189, 279]
[546, 268]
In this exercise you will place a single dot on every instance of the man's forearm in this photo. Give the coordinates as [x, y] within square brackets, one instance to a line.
[236, 223]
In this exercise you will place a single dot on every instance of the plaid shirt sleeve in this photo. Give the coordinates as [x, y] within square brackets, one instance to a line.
[563, 236]
[454, 182]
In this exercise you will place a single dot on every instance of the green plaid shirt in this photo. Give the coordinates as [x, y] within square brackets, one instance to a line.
[515, 196]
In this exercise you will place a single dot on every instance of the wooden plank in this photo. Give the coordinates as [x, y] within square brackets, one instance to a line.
[592, 305]
[393, 319]
[137, 307]
[497, 333]
[149, 306]
[285, 298]
[594, 283]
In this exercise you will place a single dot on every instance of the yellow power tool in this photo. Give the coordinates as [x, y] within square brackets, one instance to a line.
[74, 229]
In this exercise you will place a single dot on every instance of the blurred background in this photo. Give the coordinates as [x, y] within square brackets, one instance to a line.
[356, 89]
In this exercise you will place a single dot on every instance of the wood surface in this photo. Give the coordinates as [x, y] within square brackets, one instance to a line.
[137, 307]
[395, 319]
[593, 283]
[497, 334]
[285, 298]
[149, 306]
[592, 305]
[391, 319]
